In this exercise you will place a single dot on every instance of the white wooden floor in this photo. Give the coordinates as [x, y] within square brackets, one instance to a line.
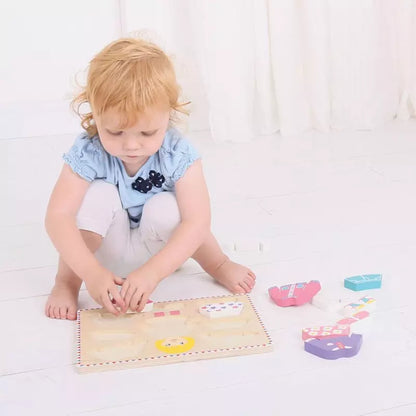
[328, 205]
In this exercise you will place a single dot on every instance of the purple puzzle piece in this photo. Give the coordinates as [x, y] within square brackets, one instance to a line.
[334, 348]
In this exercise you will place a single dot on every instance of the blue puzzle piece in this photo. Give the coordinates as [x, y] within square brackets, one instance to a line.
[363, 282]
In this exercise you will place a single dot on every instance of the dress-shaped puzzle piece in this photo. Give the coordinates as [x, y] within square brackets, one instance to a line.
[294, 294]
[334, 348]
[221, 310]
[328, 331]
[359, 323]
[363, 282]
[363, 304]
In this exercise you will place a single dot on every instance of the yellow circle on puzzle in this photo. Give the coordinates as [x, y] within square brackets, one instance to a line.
[176, 345]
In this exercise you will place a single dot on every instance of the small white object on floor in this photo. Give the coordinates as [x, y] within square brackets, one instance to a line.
[246, 245]
[327, 303]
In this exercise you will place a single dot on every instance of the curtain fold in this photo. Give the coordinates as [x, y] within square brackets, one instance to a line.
[294, 65]
[262, 66]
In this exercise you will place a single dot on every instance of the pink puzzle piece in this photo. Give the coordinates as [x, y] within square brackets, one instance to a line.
[359, 323]
[329, 331]
[294, 294]
[353, 319]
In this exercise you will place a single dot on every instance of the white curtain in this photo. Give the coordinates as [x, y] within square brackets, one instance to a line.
[294, 65]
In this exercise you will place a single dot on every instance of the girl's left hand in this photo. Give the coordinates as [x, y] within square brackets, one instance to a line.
[137, 289]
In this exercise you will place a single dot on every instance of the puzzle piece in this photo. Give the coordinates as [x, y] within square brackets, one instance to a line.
[363, 282]
[328, 331]
[326, 302]
[294, 294]
[359, 323]
[334, 348]
[181, 335]
[365, 303]
[175, 345]
[148, 307]
[221, 310]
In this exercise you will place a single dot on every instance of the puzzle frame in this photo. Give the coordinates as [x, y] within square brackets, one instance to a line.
[174, 331]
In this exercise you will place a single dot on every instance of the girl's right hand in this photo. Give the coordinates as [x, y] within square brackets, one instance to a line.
[101, 285]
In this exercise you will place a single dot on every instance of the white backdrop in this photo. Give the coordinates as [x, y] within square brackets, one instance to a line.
[250, 67]
[299, 64]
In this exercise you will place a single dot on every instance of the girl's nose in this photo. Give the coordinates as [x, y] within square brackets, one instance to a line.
[131, 143]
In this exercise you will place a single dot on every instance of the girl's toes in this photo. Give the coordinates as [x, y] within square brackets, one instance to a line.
[238, 290]
[55, 312]
[245, 286]
[249, 283]
[250, 280]
[62, 312]
[72, 314]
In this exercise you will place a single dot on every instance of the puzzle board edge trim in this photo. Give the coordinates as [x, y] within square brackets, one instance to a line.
[173, 358]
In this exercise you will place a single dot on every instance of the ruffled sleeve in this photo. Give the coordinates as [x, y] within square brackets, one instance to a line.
[177, 154]
[88, 158]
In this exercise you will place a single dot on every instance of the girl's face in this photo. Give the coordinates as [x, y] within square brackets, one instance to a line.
[134, 144]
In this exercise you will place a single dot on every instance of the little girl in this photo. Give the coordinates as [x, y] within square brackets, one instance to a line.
[131, 195]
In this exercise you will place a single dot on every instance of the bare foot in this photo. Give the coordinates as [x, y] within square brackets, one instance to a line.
[63, 301]
[236, 278]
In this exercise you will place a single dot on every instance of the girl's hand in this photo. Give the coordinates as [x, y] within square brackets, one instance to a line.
[101, 285]
[137, 288]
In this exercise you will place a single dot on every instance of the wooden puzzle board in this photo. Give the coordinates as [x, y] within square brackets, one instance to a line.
[172, 332]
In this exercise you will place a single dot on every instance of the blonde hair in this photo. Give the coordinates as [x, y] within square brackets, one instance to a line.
[128, 75]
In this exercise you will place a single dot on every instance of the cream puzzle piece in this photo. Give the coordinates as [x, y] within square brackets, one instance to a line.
[171, 332]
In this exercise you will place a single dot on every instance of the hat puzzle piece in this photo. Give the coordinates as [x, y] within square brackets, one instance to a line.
[221, 310]
[363, 282]
[295, 294]
[334, 348]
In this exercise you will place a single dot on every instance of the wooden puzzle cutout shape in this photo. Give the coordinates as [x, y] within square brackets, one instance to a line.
[171, 332]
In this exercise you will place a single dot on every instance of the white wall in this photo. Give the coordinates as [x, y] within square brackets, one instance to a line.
[45, 43]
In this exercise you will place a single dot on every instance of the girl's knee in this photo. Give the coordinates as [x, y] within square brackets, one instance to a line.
[160, 215]
[102, 193]
[98, 208]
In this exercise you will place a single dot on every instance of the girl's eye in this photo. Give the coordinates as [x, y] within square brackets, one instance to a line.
[115, 133]
[149, 133]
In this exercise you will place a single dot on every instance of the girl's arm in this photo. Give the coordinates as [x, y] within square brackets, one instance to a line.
[60, 223]
[194, 207]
